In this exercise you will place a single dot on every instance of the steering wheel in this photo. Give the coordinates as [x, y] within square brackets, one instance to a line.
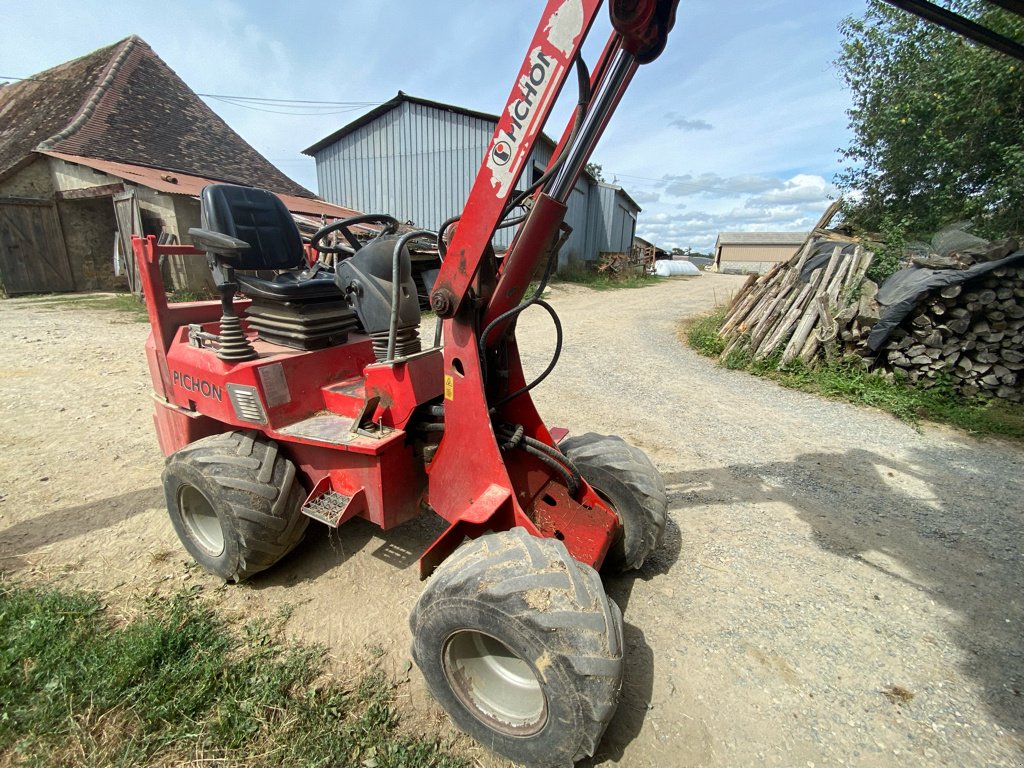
[390, 227]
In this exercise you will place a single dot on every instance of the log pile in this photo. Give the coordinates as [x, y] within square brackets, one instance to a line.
[972, 333]
[781, 315]
[616, 263]
[969, 332]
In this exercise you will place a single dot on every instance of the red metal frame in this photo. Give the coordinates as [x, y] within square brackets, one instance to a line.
[312, 414]
[548, 61]
[311, 401]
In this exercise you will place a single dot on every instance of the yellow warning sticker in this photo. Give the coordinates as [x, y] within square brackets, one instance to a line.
[449, 388]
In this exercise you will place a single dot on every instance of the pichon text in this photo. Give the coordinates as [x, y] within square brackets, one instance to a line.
[195, 384]
[531, 85]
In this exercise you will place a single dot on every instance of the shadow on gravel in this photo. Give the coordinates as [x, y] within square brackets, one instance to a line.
[324, 549]
[638, 677]
[57, 526]
[949, 523]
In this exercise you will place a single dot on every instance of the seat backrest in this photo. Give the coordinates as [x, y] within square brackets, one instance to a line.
[259, 218]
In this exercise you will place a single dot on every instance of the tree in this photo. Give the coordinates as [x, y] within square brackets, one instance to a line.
[594, 169]
[937, 122]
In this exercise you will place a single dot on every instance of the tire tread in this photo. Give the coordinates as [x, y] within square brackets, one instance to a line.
[554, 597]
[643, 510]
[258, 495]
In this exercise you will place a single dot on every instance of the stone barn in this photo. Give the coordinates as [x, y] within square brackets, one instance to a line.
[105, 146]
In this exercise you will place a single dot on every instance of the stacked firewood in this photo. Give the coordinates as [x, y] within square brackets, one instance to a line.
[635, 261]
[971, 333]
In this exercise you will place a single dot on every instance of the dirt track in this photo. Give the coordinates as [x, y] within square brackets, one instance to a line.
[835, 588]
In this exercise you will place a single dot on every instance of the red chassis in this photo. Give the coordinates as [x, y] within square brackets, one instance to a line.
[344, 419]
[309, 401]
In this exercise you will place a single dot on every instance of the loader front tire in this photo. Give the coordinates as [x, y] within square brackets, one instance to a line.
[234, 503]
[521, 646]
[624, 477]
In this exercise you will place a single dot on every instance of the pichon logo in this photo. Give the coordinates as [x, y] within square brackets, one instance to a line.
[195, 384]
[532, 86]
[501, 153]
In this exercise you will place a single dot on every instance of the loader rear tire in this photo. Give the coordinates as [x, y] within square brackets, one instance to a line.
[521, 646]
[234, 503]
[623, 476]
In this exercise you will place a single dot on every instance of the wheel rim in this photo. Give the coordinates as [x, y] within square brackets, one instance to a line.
[495, 684]
[201, 521]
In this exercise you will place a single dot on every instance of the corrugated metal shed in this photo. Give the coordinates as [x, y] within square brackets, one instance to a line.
[760, 238]
[416, 160]
[611, 221]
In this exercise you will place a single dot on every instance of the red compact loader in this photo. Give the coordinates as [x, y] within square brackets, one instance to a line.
[309, 394]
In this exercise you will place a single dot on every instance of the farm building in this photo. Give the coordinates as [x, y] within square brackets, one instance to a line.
[109, 145]
[416, 160]
[755, 251]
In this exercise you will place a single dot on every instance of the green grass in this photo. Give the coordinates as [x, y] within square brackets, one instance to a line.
[181, 295]
[702, 333]
[848, 379]
[601, 281]
[128, 303]
[178, 684]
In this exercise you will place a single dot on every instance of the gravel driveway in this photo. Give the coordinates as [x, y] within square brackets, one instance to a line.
[835, 588]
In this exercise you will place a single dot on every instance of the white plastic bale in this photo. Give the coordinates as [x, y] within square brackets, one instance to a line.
[666, 268]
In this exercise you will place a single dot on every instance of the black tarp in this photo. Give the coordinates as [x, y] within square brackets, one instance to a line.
[822, 252]
[901, 292]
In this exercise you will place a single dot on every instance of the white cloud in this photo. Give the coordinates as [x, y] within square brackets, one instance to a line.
[762, 80]
[713, 185]
[780, 205]
[643, 197]
[802, 188]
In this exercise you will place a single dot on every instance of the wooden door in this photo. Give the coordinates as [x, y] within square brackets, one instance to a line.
[33, 258]
[129, 222]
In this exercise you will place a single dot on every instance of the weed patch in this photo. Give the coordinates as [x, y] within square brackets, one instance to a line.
[848, 379]
[179, 685]
[128, 303]
[702, 333]
[601, 281]
[186, 295]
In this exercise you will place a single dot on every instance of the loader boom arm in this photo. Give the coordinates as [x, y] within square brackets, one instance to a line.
[475, 483]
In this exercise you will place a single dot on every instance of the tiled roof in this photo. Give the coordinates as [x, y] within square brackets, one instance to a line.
[123, 103]
[33, 110]
[179, 183]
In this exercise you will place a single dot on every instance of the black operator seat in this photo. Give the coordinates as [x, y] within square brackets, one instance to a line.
[260, 220]
[250, 229]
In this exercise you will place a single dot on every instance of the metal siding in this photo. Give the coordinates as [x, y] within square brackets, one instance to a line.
[597, 236]
[623, 226]
[418, 164]
[607, 219]
[611, 222]
[575, 248]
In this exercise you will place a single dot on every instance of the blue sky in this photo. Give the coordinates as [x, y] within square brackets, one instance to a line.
[735, 127]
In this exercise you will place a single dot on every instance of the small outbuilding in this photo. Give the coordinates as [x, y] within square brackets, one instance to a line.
[106, 146]
[757, 252]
